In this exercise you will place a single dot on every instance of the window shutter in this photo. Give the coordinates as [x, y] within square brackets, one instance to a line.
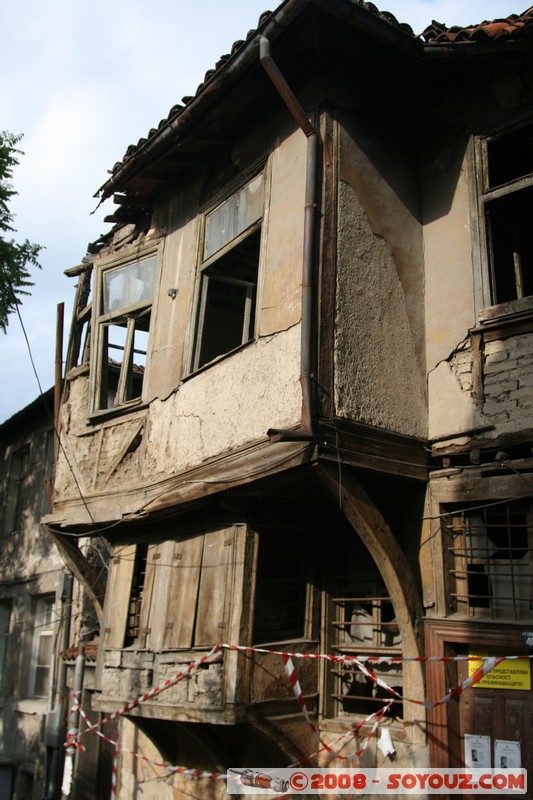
[118, 596]
[183, 591]
[214, 596]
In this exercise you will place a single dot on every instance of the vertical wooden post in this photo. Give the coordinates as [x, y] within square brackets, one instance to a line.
[58, 384]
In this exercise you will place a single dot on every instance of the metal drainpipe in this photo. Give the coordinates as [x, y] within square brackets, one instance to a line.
[305, 431]
[73, 722]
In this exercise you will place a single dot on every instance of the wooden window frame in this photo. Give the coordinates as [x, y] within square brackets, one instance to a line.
[19, 470]
[197, 572]
[42, 629]
[6, 610]
[132, 318]
[208, 265]
[468, 550]
[487, 196]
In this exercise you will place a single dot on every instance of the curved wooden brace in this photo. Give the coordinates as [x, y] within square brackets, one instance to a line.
[379, 540]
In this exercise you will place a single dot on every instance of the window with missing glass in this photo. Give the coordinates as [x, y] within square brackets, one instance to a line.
[490, 559]
[507, 203]
[364, 625]
[123, 324]
[281, 593]
[229, 274]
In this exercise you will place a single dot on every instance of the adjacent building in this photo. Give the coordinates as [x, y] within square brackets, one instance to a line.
[32, 599]
[298, 398]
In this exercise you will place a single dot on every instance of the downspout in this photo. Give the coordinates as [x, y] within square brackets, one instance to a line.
[305, 431]
[73, 722]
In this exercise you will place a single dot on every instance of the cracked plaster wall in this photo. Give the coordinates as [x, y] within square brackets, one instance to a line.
[229, 404]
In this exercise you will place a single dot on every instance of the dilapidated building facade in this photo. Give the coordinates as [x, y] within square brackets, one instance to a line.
[298, 396]
[32, 601]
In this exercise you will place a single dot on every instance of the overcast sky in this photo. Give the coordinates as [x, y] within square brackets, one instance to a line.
[82, 81]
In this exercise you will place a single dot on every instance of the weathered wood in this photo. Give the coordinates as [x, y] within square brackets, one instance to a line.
[477, 369]
[164, 567]
[131, 437]
[118, 595]
[84, 572]
[327, 262]
[237, 468]
[392, 564]
[373, 448]
[183, 591]
[152, 566]
[214, 598]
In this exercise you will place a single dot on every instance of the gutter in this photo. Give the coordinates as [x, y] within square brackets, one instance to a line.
[305, 431]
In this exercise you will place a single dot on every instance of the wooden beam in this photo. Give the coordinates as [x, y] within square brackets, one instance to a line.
[375, 534]
[82, 569]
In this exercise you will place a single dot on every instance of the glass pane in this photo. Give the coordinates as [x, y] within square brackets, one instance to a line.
[42, 681]
[129, 285]
[140, 346]
[234, 215]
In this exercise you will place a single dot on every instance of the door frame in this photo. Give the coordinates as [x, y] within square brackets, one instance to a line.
[443, 721]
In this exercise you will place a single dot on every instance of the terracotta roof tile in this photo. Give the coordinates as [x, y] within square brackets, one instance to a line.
[514, 27]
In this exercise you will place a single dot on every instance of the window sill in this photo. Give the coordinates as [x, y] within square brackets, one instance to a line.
[32, 706]
[96, 417]
[217, 360]
[515, 309]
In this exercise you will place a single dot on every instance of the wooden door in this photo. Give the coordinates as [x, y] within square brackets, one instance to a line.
[501, 714]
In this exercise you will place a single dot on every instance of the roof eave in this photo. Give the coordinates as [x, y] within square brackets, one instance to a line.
[273, 27]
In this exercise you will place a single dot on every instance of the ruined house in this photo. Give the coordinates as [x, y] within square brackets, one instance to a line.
[298, 397]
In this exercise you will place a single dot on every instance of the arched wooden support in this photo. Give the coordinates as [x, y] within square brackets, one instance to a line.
[379, 540]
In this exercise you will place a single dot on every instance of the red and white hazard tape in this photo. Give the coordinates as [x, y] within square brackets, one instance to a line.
[488, 664]
[157, 689]
[114, 770]
[365, 659]
[187, 771]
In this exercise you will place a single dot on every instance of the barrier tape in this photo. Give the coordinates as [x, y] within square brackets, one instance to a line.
[114, 770]
[156, 690]
[489, 663]
[486, 667]
[366, 659]
[187, 771]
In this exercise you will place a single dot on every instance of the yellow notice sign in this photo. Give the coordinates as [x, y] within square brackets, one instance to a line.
[513, 674]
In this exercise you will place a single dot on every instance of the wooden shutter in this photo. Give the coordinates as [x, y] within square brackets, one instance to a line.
[118, 596]
[183, 591]
[152, 561]
[215, 591]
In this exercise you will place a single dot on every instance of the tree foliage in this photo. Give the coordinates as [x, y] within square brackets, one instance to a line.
[15, 258]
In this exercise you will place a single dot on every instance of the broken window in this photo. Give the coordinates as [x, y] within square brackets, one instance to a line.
[79, 341]
[281, 588]
[362, 624]
[229, 272]
[123, 328]
[507, 200]
[490, 560]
